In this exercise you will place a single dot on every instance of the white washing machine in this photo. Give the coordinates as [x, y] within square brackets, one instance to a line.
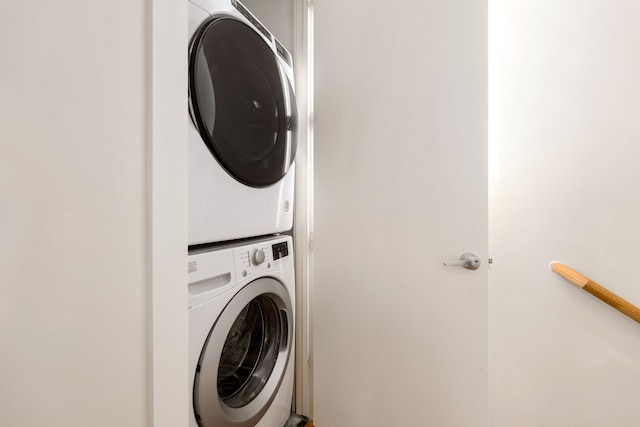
[243, 128]
[241, 334]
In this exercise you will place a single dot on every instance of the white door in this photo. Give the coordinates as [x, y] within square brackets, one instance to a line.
[400, 187]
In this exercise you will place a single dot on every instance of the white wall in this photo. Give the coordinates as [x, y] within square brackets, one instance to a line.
[73, 212]
[568, 97]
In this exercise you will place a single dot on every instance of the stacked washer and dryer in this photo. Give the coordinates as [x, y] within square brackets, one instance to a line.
[242, 144]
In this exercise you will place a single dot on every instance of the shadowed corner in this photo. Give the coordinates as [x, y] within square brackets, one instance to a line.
[296, 420]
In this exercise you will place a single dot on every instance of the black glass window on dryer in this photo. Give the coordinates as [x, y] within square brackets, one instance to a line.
[242, 102]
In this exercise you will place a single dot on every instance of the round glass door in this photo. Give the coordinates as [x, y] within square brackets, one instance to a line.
[245, 356]
[250, 352]
[242, 102]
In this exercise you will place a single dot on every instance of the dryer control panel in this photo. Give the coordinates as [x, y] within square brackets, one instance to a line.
[262, 257]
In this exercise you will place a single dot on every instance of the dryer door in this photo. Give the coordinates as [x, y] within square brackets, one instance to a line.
[242, 102]
[245, 356]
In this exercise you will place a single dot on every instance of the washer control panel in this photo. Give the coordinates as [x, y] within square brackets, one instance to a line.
[261, 257]
[280, 250]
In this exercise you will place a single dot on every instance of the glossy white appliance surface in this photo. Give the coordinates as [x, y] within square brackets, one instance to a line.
[225, 285]
[224, 205]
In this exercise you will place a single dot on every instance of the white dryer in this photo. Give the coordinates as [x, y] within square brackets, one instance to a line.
[243, 128]
[241, 334]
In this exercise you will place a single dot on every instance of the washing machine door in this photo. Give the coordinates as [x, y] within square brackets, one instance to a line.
[245, 357]
[242, 102]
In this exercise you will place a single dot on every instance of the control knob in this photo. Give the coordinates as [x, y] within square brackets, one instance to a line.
[258, 257]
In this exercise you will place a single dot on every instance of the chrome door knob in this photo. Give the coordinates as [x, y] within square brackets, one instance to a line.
[467, 260]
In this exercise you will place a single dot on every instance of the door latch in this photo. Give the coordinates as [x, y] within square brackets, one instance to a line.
[467, 260]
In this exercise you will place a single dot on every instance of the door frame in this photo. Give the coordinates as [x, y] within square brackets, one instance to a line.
[166, 311]
[303, 213]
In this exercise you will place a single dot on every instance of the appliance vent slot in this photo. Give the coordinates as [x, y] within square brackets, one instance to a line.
[284, 54]
[245, 12]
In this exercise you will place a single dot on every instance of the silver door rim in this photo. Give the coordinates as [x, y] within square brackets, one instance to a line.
[211, 410]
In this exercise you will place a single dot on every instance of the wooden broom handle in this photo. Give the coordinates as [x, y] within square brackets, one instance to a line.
[597, 291]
